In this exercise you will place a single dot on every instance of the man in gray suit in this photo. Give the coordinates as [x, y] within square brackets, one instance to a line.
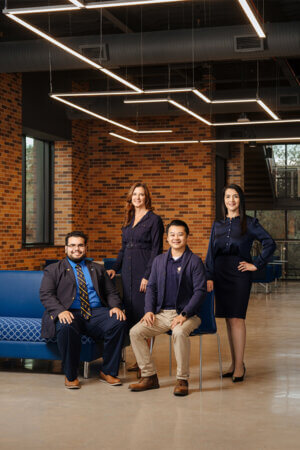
[80, 298]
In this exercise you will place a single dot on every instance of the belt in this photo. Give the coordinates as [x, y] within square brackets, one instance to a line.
[137, 245]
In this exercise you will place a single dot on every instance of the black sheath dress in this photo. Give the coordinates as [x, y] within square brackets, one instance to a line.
[140, 245]
[227, 248]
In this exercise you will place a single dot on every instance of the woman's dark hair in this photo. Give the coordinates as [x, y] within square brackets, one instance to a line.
[178, 223]
[129, 208]
[242, 209]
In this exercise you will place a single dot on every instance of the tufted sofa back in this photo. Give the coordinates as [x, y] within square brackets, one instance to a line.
[19, 293]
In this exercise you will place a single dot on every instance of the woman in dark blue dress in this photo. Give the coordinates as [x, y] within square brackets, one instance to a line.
[142, 240]
[229, 266]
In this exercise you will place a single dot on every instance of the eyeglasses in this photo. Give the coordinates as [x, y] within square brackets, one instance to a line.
[74, 246]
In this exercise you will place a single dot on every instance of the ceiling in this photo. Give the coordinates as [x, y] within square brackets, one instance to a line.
[199, 44]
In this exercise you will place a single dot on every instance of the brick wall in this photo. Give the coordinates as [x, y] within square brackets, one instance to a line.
[181, 179]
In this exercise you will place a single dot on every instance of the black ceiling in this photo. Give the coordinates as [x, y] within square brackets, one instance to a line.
[277, 78]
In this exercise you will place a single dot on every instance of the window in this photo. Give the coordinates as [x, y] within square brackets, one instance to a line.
[37, 224]
[287, 170]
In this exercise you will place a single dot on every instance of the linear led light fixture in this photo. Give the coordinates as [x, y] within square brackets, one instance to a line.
[113, 4]
[123, 138]
[148, 100]
[77, 3]
[267, 109]
[95, 94]
[167, 90]
[41, 9]
[119, 136]
[255, 122]
[274, 139]
[238, 100]
[73, 52]
[254, 22]
[249, 100]
[106, 119]
[188, 111]
[172, 102]
[202, 96]
[174, 90]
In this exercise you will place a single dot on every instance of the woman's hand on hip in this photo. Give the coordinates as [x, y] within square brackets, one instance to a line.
[111, 273]
[143, 285]
[245, 266]
[210, 285]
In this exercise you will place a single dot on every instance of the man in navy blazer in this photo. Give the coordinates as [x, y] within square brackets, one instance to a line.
[174, 295]
[80, 298]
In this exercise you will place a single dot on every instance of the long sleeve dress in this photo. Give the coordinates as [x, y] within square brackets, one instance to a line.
[227, 248]
[140, 245]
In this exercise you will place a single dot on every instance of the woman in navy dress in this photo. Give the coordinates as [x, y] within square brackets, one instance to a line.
[142, 240]
[229, 266]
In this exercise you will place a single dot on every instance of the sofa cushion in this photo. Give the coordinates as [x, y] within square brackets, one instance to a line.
[26, 330]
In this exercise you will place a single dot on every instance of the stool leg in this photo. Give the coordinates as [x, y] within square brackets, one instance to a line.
[170, 355]
[86, 369]
[200, 363]
[220, 357]
[124, 360]
[151, 345]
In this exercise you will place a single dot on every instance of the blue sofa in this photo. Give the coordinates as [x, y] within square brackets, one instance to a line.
[20, 321]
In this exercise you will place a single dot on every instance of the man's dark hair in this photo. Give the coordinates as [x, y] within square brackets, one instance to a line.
[76, 234]
[178, 223]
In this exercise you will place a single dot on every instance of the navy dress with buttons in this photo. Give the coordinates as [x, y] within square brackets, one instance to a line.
[227, 248]
[140, 245]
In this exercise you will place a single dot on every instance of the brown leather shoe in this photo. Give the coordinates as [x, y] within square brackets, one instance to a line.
[72, 384]
[133, 368]
[181, 388]
[145, 384]
[109, 379]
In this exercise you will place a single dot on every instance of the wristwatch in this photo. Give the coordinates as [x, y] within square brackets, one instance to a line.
[183, 314]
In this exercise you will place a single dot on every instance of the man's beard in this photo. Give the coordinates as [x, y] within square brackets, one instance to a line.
[76, 260]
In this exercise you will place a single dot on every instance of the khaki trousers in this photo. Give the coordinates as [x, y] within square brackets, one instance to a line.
[163, 320]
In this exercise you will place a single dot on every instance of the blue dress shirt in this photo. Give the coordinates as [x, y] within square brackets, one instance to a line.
[94, 300]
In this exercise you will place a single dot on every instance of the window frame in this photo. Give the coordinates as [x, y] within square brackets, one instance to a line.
[48, 203]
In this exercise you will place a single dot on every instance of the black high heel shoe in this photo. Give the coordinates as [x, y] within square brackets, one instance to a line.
[239, 379]
[227, 375]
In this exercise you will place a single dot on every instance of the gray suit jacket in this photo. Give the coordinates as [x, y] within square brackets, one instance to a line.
[58, 291]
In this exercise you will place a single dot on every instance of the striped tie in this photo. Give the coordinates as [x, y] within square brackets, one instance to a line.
[85, 308]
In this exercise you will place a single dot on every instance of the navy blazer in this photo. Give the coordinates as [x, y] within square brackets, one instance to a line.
[58, 291]
[191, 288]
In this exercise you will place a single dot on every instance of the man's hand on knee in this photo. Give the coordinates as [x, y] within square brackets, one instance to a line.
[179, 320]
[65, 317]
[119, 313]
[148, 319]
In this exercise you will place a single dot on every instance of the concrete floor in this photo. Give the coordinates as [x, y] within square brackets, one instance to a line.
[37, 412]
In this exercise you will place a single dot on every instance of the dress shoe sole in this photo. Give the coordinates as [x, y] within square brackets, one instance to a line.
[238, 379]
[72, 387]
[117, 383]
[180, 394]
[227, 375]
[142, 390]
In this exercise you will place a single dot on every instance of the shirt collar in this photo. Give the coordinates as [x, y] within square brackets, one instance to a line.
[170, 257]
[74, 264]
